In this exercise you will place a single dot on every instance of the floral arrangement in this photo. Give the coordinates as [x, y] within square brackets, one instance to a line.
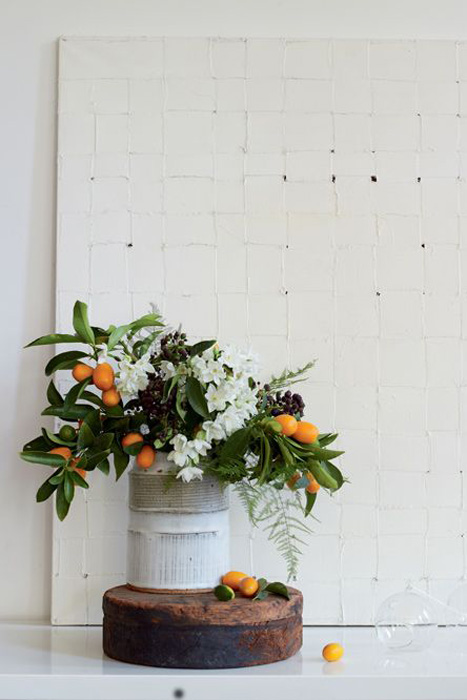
[141, 388]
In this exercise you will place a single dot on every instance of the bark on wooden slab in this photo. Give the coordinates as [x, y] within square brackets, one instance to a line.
[195, 630]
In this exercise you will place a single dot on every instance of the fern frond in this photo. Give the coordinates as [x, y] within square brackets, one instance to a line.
[276, 512]
[289, 377]
[250, 497]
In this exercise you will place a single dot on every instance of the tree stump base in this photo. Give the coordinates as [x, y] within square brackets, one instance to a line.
[195, 630]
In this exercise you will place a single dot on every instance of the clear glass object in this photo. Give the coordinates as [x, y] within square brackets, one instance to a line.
[456, 613]
[406, 621]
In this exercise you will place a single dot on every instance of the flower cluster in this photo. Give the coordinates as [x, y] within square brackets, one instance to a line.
[133, 375]
[231, 398]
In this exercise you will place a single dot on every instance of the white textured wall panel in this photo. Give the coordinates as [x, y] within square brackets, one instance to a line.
[307, 197]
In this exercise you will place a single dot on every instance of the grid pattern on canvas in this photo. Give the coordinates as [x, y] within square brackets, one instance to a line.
[308, 198]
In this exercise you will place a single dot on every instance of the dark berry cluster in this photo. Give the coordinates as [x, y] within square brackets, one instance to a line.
[173, 347]
[160, 412]
[286, 402]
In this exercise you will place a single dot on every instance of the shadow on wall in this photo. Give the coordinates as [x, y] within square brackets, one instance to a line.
[27, 548]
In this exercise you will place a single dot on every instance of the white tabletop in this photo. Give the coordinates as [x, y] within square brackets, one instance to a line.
[38, 662]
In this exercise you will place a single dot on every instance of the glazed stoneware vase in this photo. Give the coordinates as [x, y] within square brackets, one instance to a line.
[178, 534]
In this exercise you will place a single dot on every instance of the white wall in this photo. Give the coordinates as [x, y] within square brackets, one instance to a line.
[28, 34]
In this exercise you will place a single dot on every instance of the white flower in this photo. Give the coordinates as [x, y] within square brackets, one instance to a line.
[231, 358]
[103, 355]
[181, 452]
[188, 473]
[133, 376]
[230, 420]
[208, 354]
[216, 371]
[168, 369]
[200, 446]
[198, 365]
[144, 429]
[246, 401]
[208, 370]
[218, 396]
[213, 430]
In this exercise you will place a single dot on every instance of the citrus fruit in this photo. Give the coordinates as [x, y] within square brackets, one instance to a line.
[111, 397]
[67, 433]
[233, 578]
[103, 376]
[288, 423]
[313, 486]
[333, 651]
[293, 480]
[145, 458]
[305, 432]
[224, 593]
[248, 586]
[81, 372]
[131, 439]
[62, 451]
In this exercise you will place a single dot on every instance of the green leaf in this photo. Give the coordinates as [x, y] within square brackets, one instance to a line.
[93, 420]
[78, 480]
[114, 411]
[278, 588]
[323, 475]
[62, 506]
[285, 452]
[77, 412]
[58, 477]
[195, 396]
[134, 449]
[169, 386]
[120, 459]
[81, 323]
[178, 405]
[68, 487]
[95, 459]
[116, 335]
[75, 393]
[56, 439]
[44, 458]
[85, 436]
[322, 454]
[39, 444]
[310, 502]
[326, 438]
[64, 360]
[53, 395]
[54, 339]
[235, 445]
[265, 463]
[142, 346]
[261, 595]
[146, 321]
[104, 466]
[83, 462]
[45, 491]
[102, 442]
[199, 348]
[93, 398]
[335, 473]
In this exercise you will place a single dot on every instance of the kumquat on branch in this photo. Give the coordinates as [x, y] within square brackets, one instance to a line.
[142, 388]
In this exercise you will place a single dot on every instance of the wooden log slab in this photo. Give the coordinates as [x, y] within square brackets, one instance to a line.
[195, 630]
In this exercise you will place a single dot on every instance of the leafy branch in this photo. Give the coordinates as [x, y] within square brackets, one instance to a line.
[289, 377]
